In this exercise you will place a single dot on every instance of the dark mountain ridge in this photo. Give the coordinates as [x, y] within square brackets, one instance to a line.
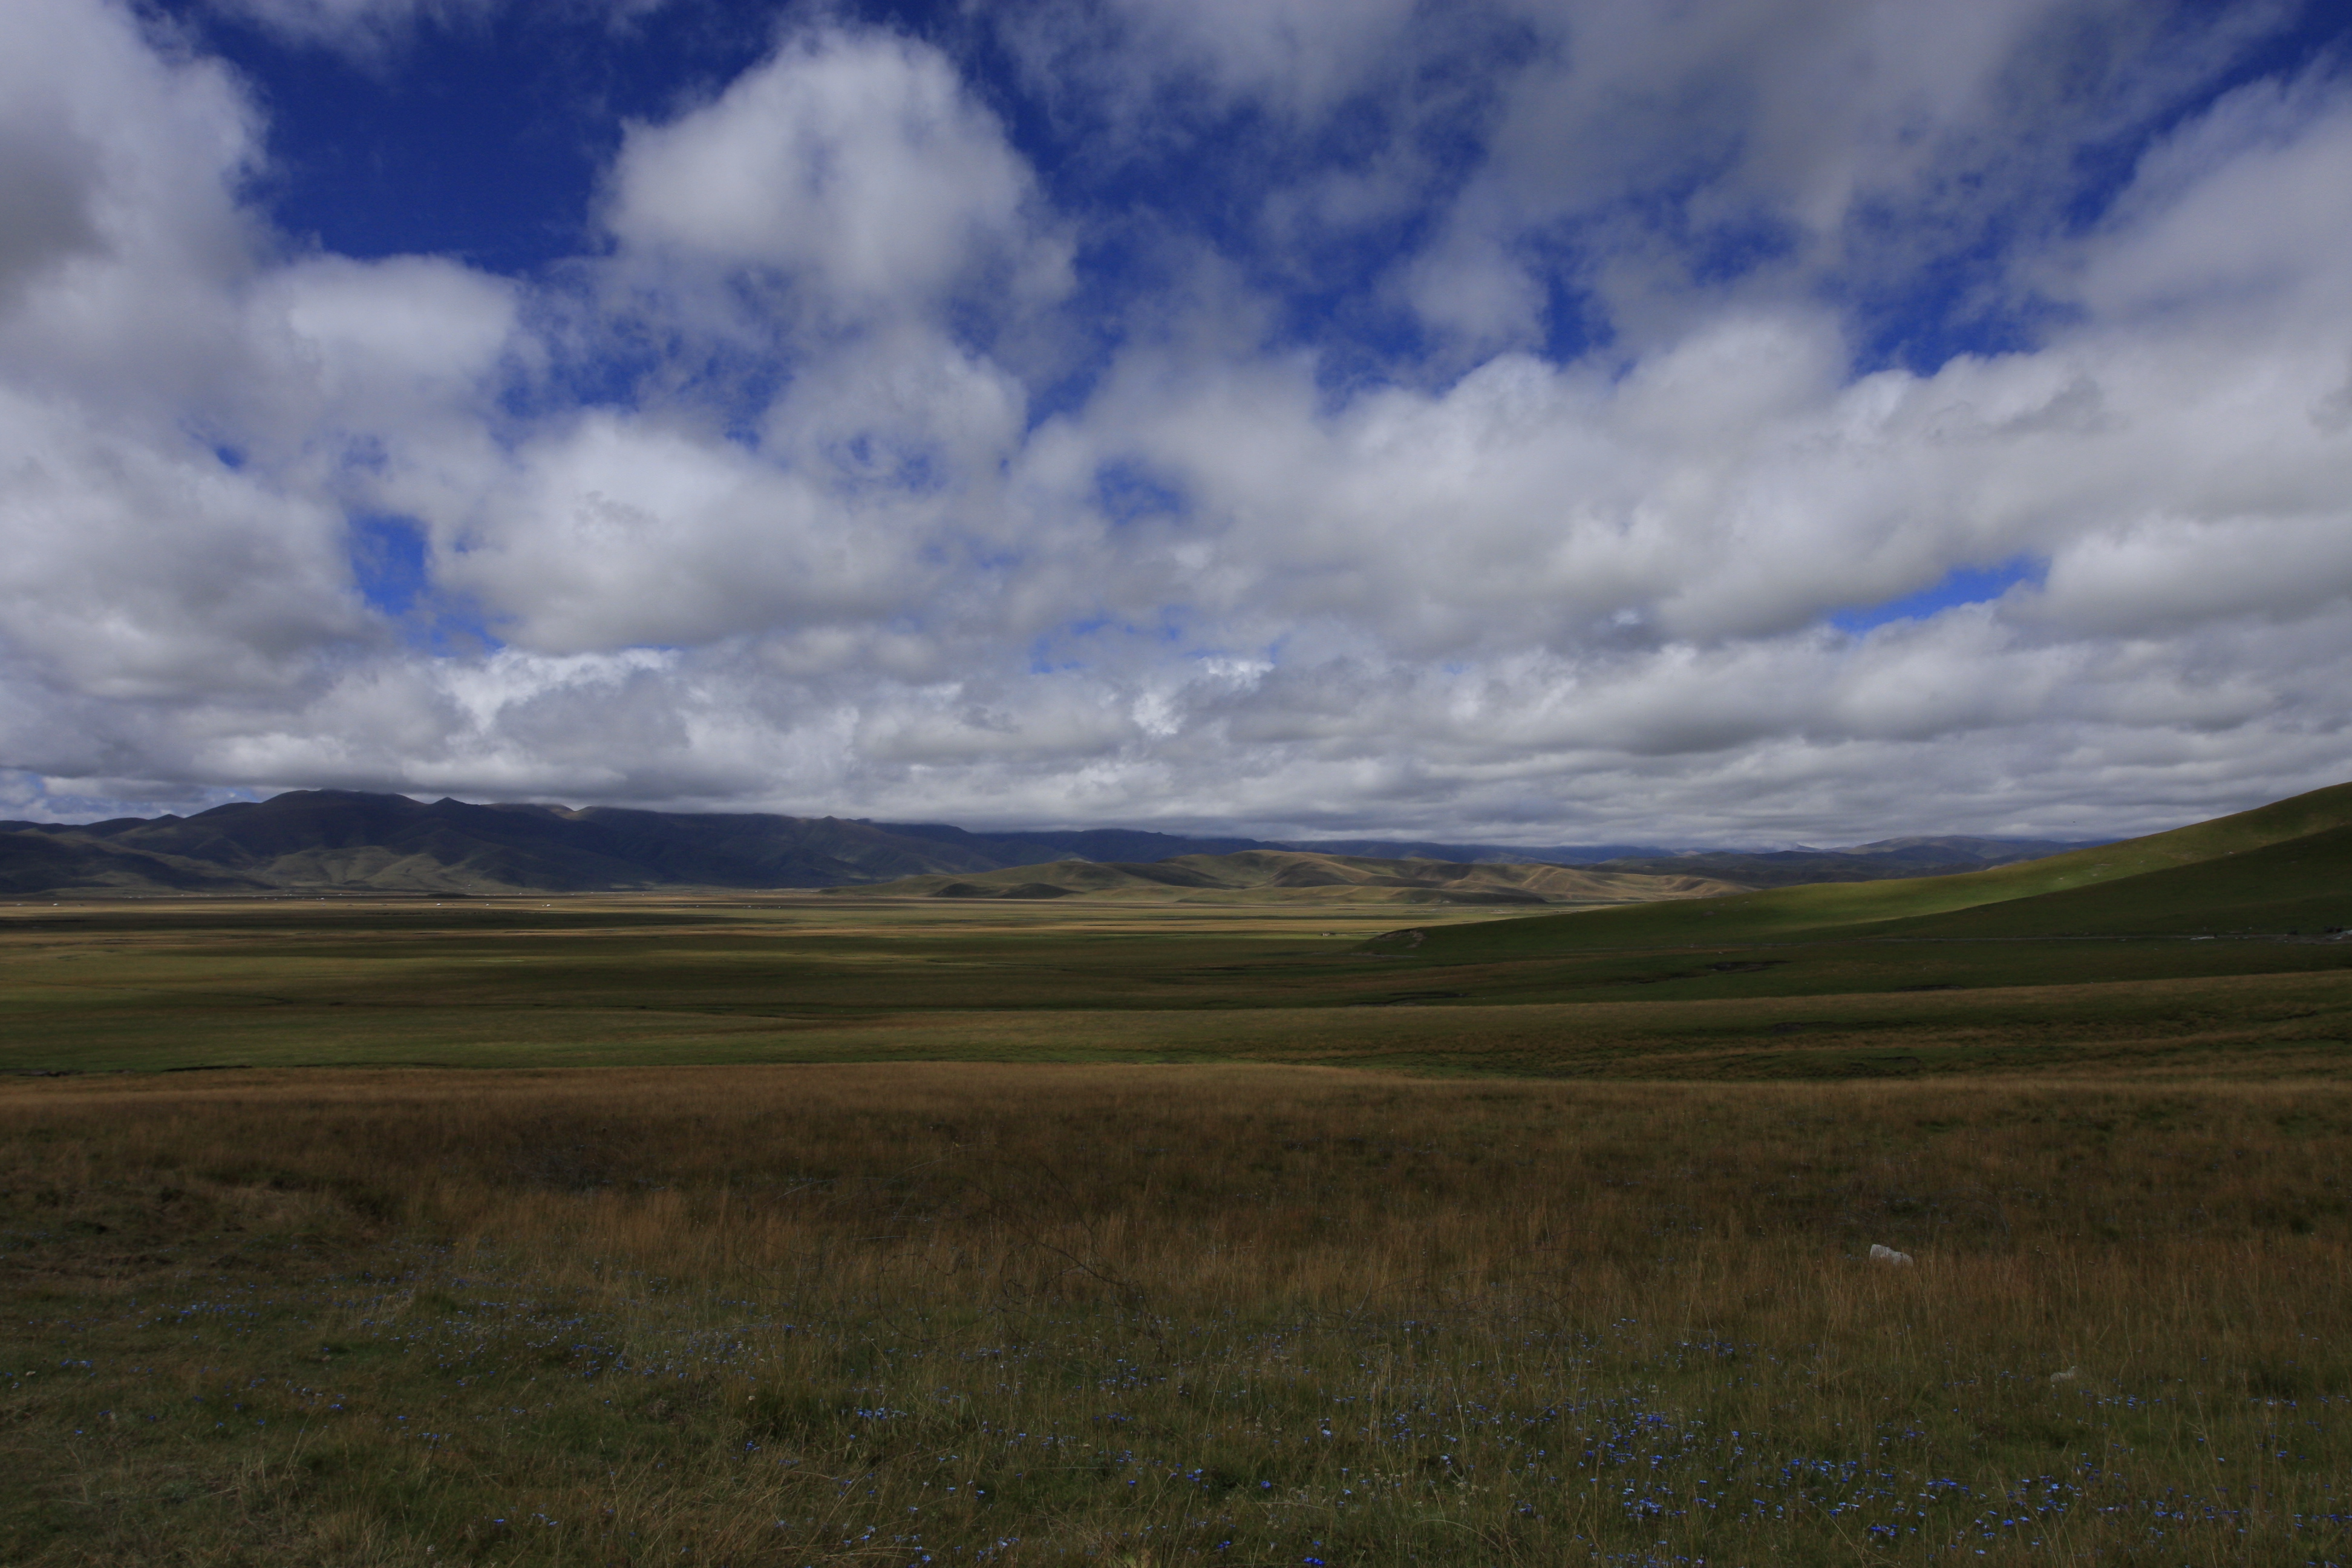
[353, 840]
[346, 838]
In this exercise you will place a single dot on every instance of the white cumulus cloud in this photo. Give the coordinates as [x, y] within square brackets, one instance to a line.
[870, 465]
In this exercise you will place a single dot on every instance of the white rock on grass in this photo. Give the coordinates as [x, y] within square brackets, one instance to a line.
[1888, 1254]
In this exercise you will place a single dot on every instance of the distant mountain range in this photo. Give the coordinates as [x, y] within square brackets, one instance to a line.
[349, 840]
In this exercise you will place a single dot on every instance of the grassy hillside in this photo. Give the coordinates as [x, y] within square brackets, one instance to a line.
[1888, 859]
[350, 841]
[1261, 876]
[2302, 886]
[2280, 890]
[34, 863]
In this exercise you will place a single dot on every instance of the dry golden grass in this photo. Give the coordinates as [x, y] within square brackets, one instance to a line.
[1031, 1315]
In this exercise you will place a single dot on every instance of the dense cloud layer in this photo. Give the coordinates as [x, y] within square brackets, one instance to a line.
[1765, 426]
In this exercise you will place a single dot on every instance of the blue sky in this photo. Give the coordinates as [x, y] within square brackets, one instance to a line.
[1807, 420]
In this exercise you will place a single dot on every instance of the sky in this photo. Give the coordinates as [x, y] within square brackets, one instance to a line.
[1716, 422]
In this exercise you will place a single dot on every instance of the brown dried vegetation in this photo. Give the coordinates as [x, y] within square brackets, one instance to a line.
[1044, 1314]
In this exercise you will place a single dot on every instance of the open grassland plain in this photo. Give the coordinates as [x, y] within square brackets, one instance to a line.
[160, 984]
[1155, 1315]
[807, 1229]
[1290, 876]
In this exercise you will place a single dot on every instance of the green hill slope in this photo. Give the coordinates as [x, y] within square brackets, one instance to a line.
[2302, 885]
[35, 863]
[1887, 860]
[348, 839]
[2298, 885]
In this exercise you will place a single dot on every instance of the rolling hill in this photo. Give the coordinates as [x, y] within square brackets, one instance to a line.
[389, 843]
[1264, 876]
[353, 841]
[1888, 859]
[2278, 867]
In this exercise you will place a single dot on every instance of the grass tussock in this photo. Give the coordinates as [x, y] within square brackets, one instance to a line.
[1129, 1316]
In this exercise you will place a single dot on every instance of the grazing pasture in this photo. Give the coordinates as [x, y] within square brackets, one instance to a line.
[987, 1313]
[803, 1230]
[676, 981]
